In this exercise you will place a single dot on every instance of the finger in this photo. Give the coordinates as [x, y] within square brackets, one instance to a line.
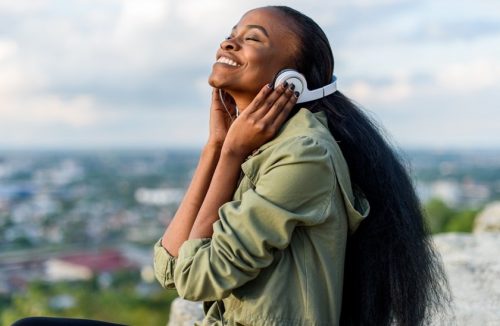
[216, 99]
[271, 100]
[279, 105]
[215, 94]
[259, 98]
[264, 100]
[283, 114]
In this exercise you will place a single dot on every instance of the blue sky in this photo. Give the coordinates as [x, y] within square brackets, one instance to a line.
[128, 73]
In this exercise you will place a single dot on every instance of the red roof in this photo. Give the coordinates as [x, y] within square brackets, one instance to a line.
[102, 261]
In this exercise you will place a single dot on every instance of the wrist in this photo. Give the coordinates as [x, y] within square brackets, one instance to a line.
[233, 153]
[213, 146]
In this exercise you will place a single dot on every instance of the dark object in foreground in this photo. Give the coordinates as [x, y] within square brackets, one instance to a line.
[53, 321]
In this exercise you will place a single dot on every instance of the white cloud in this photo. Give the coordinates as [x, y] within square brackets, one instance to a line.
[447, 79]
[481, 73]
[16, 79]
[22, 6]
[399, 89]
[375, 3]
[62, 65]
[47, 110]
[168, 126]
[139, 17]
[7, 49]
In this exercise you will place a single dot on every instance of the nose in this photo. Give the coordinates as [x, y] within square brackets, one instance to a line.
[229, 44]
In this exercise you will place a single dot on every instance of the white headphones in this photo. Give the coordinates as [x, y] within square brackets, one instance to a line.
[305, 95]
[294, 77]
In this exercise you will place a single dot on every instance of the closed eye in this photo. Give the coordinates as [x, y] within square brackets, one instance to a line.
[251, 38]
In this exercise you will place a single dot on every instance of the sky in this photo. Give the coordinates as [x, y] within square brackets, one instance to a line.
[98, 74]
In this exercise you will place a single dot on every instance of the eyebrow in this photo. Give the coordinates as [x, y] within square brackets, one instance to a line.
[262, 29]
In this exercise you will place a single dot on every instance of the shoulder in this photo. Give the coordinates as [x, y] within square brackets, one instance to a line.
[296, 149]
[304, 138]
[297, 167]
[303, 147]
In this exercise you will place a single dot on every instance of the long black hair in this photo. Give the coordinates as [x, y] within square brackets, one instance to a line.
[392, 273]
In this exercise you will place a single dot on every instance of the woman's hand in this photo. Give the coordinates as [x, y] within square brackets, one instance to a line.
[220, 121]
[260, 121]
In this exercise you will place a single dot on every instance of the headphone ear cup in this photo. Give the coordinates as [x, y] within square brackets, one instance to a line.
[291, 77]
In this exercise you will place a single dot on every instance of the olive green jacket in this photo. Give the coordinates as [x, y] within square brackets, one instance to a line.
[276, 256]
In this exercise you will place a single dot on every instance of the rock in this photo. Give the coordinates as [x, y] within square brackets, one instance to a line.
[472, 263]
[184, 312]
[488, 220]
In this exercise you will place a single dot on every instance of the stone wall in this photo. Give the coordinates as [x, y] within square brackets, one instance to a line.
[472, 263]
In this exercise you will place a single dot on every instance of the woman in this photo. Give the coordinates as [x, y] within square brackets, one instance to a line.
[296, 214]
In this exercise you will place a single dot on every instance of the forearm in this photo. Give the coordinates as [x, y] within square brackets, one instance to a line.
[179, 228]
[221, 190]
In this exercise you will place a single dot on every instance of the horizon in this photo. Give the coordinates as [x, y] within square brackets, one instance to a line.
[126, 148]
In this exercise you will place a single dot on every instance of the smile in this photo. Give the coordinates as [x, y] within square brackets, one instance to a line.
[228, 61]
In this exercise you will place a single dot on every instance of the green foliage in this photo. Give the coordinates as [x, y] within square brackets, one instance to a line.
[437, 214]
[120, 303]
[461, 222]
[441, 218]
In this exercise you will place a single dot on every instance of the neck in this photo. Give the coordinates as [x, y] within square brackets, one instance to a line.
[242, 100]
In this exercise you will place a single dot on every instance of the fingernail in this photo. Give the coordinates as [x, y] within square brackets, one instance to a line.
[292, 86]
[285, 84]
[270, 85]
[296, 94]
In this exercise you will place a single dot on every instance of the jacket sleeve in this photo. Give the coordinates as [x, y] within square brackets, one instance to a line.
[163, 266]
[295, 188]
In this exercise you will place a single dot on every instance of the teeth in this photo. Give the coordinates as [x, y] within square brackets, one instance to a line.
[228, 61]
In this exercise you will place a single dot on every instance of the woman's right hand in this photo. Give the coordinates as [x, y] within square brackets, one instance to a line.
[220, 121]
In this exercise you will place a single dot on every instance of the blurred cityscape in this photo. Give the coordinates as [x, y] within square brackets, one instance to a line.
[86, 220]
[91, 218]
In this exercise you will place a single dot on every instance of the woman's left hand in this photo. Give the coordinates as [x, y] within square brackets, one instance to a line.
[260, 121]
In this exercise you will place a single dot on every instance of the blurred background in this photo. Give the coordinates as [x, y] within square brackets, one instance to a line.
[104, 108]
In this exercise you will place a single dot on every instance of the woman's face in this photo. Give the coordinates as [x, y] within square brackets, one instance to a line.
[261, 44]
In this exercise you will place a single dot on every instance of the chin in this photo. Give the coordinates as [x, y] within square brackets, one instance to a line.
[214, 81]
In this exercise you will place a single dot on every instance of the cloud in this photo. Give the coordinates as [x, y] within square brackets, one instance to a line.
[169, 127]
[433, 121]
[145, 15]
[397, 90]
[7, 49]
[49, 109]
[22, 6]
[481, 73]
[126, 72]
[450, 78]
[15, 78]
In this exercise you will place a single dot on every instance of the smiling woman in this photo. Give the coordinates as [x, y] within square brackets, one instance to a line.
[297, 214]
[253, 53]
[291, 205]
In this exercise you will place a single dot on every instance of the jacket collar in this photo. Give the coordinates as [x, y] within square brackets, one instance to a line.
[295, 125]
